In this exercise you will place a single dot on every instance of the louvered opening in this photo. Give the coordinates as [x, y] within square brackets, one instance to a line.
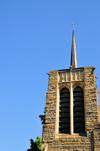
[64, 111]
[78, 110]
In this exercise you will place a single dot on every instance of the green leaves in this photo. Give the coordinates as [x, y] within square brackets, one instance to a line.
[38, 142]
[35, 146]
[42, 117]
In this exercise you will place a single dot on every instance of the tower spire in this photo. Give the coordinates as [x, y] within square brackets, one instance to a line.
[73, 51]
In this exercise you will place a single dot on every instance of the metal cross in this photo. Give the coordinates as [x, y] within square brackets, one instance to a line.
[73, 25]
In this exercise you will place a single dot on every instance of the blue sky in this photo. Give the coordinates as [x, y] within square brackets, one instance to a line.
[35, 37]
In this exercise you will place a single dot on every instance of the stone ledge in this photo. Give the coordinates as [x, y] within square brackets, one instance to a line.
[61, 136]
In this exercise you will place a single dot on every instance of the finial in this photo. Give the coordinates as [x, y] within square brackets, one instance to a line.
[73, 25]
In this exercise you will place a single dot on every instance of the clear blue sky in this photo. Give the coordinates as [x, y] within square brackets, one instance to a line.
[35, 37]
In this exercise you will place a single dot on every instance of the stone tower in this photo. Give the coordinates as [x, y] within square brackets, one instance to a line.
[72, 111]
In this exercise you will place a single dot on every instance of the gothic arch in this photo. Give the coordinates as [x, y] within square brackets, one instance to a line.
[76, 84]
[64, 85]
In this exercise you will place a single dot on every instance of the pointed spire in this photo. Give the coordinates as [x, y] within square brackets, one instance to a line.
[73, 51]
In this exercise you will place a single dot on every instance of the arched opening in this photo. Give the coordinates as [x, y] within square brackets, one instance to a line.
[78, 110]
[64, 111]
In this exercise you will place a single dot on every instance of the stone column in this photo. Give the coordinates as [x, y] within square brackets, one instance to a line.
[71, 105]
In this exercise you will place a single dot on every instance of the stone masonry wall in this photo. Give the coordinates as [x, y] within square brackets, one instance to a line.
[50, 116]
[96, 135]
[90, 96]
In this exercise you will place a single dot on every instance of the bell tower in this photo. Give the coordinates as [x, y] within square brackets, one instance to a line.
[72, 111]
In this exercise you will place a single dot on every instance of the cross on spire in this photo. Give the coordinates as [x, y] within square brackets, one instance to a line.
[73, 25]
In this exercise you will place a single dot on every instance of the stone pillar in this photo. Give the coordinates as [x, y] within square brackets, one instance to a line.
[71, 110]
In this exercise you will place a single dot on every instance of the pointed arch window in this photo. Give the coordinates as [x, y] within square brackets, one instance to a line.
[78, 110]
[64, 111]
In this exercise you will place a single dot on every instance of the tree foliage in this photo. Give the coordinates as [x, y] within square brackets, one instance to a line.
[35, 146]
[38, 142]
[42, 117]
